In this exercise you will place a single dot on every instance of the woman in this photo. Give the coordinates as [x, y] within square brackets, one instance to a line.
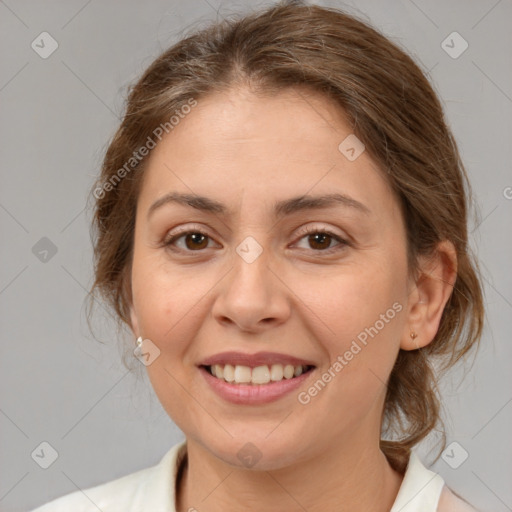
[282, 223]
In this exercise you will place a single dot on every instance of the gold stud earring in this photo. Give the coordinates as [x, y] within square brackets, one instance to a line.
[413, 335]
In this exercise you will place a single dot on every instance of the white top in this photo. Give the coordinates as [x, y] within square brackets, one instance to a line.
[149, 490]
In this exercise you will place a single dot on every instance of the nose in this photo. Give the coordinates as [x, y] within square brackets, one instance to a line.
[252, 297]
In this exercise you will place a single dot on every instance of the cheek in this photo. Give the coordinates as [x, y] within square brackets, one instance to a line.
[352, 299]
[170, 306]
[155, 298]
[361, 316]
[167, 311]
[358, 319]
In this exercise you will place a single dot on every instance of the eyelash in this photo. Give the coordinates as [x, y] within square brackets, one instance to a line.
[308, 231]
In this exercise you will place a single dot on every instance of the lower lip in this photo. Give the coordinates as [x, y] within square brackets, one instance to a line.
[253, 394]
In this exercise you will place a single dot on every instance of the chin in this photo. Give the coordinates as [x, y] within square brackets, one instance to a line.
[257, 453]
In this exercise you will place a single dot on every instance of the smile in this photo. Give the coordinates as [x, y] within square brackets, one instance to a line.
[240, 374]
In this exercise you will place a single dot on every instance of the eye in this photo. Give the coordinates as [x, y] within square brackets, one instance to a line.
[322, 238]
[194, 240]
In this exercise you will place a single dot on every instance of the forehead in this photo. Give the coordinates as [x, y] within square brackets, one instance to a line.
[282, 145]
[240, 118]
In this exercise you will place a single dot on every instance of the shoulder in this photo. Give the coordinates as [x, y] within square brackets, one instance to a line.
[426, 491]
[98, 497]
[451, 502]
[109, 496]
[150, 487]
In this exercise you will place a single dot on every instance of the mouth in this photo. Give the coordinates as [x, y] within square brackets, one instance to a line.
[255, 379]
[258, 375]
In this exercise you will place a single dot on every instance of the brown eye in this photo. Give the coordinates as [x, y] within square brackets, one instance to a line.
[194, 240]
[319, 240]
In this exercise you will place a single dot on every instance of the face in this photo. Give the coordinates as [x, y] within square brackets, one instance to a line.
[237, 280]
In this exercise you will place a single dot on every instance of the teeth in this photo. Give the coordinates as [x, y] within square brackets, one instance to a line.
[276, 372]
[218, 371]
[258, 375]
[242, 374]
[288, 371]
[229, 373]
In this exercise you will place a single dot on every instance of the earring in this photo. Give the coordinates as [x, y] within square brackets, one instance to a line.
[138, 349]
[413, 335]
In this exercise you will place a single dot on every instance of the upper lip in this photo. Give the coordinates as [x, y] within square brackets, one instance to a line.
[253, 360]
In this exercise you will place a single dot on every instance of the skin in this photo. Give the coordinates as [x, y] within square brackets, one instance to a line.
[248, 152]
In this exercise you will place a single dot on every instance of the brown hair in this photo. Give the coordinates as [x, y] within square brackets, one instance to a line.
[394, 111]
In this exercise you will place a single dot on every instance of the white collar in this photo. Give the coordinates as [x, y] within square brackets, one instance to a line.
[420, 489]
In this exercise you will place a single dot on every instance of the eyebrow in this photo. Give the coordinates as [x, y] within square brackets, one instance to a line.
[281, 208]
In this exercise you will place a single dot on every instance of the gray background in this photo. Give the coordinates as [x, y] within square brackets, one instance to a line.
[61, 386]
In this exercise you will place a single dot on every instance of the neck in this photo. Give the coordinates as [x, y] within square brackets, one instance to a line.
[343, 478]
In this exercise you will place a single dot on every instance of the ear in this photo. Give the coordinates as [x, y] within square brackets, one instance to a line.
[128, 297]
[134, 322]
[429, 295]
